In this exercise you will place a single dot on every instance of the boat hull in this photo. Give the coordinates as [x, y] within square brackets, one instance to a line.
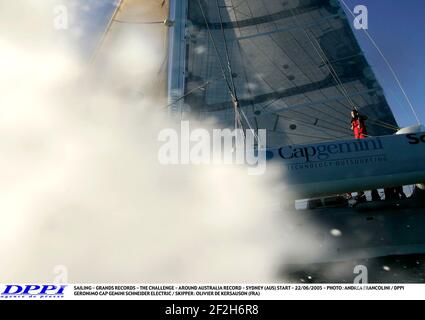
[347, 166]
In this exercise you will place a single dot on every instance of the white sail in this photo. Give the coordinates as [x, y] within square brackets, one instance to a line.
[134, 49]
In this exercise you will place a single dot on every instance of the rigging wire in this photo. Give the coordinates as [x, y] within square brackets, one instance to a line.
[229, 88]
[340, 85]
[223, 72]
[226, 49]
[387, 62]
[296, 23]
[320, 52]
[381, 123]
[342, 128]
[250, 93]
[316, 119]
[330, 68]
[238, 110]
[230, 85]
[234, 96]
[326, 62]
[277, 99]
[202, 86]
[343, 131]
[324, 59]
[345, 92]
[238, 4]
[105, 33]
[307, 115]
[107, 29]
[303, 114]
[244, 70]
[290, 110]
[138, 22]
[216, 49]
[317, 128]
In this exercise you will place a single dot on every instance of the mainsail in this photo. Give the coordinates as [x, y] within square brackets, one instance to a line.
[295, 66]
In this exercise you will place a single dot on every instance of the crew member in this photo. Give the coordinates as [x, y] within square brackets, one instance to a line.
[358, 125]
[360, 132]
[359, 129]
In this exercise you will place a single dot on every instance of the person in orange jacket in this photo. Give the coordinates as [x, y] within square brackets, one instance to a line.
[358, 125]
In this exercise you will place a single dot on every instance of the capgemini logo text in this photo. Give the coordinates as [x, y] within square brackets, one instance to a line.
[323, 152]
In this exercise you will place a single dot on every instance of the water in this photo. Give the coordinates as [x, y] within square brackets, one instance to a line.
[408, 269]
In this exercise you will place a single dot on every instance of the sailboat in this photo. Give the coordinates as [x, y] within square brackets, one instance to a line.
[295, 68]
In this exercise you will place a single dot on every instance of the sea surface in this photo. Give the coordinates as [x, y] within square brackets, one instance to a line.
[408, 269]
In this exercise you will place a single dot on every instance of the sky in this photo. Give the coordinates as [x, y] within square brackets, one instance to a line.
[397, 26]
[90, 20]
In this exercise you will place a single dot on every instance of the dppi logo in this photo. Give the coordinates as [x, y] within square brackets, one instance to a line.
[415, 139]
[33, 290]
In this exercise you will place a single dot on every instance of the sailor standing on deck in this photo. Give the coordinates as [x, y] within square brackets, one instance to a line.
[360, 132]
[359, 129]
[358, 125]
